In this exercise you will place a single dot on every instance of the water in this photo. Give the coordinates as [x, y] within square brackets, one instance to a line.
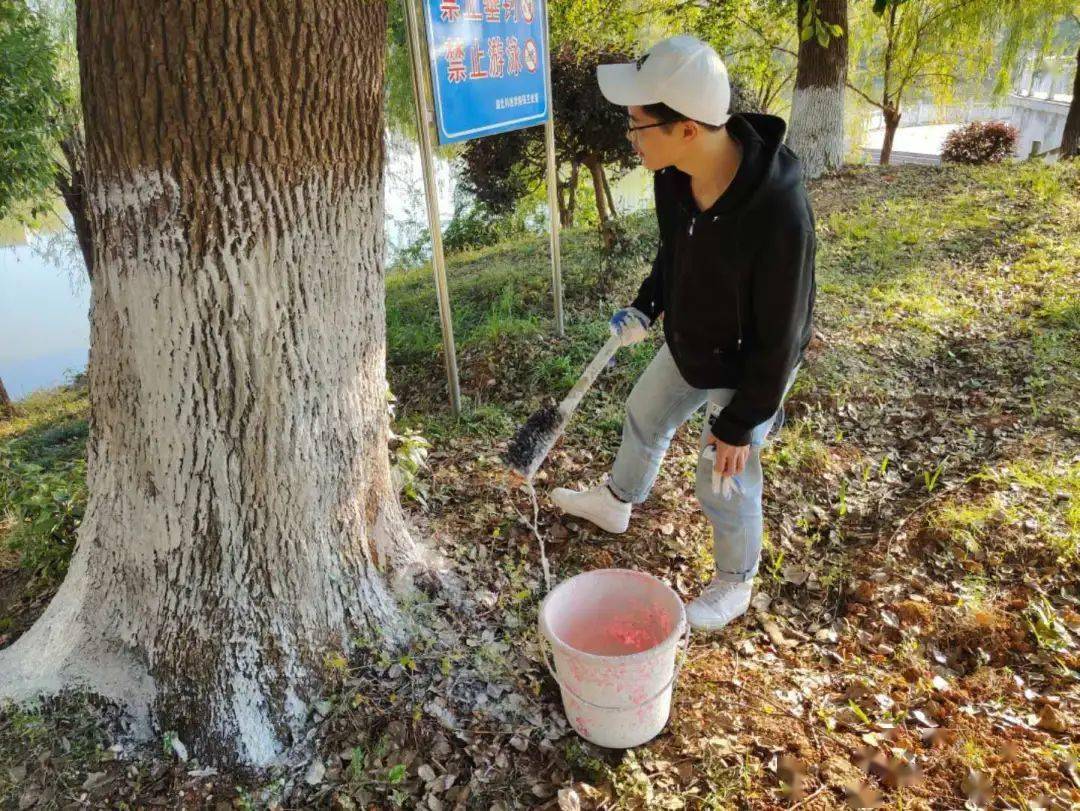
[44, 310]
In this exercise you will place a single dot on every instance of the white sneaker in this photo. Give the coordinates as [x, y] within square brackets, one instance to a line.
[597, 505]
[719, 604]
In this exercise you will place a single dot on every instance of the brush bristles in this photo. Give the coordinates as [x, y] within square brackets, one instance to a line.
[532, 438]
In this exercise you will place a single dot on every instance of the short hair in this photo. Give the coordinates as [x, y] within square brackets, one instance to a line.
[667, 115]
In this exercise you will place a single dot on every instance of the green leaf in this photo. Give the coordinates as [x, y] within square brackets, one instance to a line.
[396, 774]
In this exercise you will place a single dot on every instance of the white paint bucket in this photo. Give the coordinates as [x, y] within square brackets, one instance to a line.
[615, 635]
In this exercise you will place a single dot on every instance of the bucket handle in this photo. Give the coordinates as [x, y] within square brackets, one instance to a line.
[680, 658]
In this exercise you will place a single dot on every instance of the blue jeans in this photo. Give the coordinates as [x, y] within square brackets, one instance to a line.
[660, 402]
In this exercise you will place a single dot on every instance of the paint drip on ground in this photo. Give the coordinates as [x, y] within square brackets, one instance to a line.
[534, 525]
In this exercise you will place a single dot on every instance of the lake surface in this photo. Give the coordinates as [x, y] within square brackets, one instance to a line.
[44, 312]
[45, 296]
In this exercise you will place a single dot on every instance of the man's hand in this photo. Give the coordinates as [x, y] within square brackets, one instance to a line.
[630, 324]
[730, 459]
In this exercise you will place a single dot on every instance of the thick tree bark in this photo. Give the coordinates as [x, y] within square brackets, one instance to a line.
[1070, 137]
[241, 520]
[817, 106]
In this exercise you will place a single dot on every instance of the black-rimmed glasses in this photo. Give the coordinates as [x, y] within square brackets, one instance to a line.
[631, 129]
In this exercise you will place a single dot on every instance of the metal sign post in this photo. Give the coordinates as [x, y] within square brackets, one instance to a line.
[490, 73]
[438, 261]
[553, 195]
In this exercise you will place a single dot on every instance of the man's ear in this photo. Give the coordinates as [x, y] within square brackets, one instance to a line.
[690, 130]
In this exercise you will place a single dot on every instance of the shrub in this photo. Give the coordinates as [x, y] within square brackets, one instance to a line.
[45, 508]
[980, 142]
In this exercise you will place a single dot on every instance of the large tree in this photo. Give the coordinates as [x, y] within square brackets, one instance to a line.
[241, 519]
[817, 105]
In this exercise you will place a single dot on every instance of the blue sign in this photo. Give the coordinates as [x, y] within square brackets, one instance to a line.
[488, 65]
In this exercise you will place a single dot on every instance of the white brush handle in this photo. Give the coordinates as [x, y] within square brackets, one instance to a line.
[596, 365]
[571, 400]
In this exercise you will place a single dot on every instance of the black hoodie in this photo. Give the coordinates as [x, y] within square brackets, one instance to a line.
[735, 283]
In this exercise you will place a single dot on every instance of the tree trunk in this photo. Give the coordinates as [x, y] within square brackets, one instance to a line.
[71, 185]
[1070, 137]
[571, 203]
[892, 122]
[241, 520]
[567, 197]
[6, 408]
[607, 235]
[607, 192]
[890, 105]
[817, 106]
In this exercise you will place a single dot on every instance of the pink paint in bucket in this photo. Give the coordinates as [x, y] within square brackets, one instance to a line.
[615, 635]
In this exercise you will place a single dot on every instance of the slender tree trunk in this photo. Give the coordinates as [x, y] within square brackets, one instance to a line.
[6, 408]
[817, 109]
[571, 203]
[241, 520]
[890, 107]
[71, 185]
[1070, 138]
[607, 234]
[892, 122]
[607, 192]
[567, 197]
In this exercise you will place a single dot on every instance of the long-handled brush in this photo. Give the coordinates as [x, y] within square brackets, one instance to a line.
[535, 439]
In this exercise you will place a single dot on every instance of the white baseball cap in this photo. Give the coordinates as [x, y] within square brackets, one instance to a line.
[682, 72]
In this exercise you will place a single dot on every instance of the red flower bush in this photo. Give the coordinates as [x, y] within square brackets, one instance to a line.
[980, 142]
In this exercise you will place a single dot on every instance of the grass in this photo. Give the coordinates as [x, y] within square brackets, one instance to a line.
[1036, 503]
[50, 426]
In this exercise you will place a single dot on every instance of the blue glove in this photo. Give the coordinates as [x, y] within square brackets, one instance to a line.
[630, 324]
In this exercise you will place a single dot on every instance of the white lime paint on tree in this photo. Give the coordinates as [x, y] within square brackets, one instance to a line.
[817, 133]
[241, 522]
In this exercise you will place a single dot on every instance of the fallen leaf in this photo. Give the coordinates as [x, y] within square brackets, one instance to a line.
[1051, 720]
[315, 773]
[795, 574]
[569, 800]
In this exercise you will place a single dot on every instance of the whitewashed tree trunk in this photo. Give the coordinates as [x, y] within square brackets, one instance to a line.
[816, 133]
[241, 520]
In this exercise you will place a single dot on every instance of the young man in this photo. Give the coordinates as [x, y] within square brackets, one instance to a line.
[734, 280]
